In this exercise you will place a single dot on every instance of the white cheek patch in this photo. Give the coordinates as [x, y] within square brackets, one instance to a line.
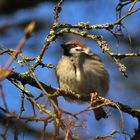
[76, 50]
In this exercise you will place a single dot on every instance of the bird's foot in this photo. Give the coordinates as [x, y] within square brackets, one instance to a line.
[93, 96]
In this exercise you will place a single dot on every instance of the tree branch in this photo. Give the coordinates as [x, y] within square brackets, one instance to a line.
[60, 92]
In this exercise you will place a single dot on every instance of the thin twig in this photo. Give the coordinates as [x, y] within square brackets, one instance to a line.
[126, 15]
[3, 98]
[28, 31]
[121, 56]
[60, 92]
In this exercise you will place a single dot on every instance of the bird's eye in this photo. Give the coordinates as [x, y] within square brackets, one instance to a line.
[78, 49]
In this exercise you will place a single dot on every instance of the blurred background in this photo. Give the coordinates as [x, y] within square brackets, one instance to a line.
[14, 15]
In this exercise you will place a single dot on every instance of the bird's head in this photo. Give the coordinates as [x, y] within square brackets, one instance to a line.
[75, 47]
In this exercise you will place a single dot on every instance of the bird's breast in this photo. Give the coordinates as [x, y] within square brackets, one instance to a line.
[84, 79]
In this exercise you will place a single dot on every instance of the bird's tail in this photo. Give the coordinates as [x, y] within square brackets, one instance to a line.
[100, 113]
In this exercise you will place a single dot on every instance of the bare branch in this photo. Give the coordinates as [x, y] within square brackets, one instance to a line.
[57, 10]
[59, 92]
[121, 56]
[100, 41]
[28, 31]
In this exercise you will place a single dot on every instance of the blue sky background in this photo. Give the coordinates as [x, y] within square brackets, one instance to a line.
[123, 90]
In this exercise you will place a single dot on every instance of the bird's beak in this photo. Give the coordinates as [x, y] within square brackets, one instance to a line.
[64, 46]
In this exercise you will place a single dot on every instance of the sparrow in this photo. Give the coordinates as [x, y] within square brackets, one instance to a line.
[81, 71]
